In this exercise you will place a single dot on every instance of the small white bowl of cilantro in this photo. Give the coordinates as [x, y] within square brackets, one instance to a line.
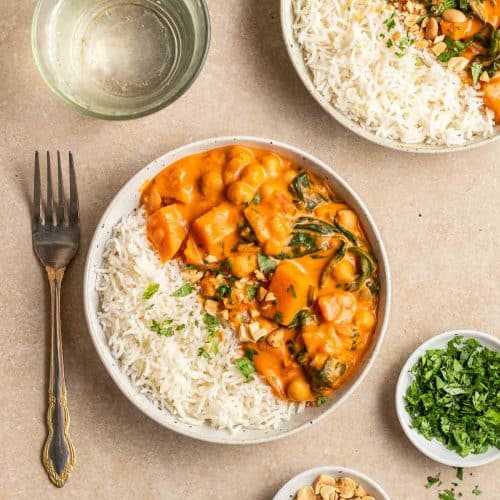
[448, 398]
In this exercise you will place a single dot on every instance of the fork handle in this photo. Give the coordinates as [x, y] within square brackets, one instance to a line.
[58, 455]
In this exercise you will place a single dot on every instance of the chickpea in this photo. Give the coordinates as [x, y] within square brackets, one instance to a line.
[240, 192]
[348, 219]
[212, 183]
[244, 154]
[267, 190]
[233, 170]
[298, 390]
[272, 164]
[254, 174]
[365, 319]
[344, 271]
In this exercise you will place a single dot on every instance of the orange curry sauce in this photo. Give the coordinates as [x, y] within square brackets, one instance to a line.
[276, 256]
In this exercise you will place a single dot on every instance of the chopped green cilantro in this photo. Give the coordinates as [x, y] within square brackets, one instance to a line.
[476, 68]
[164, 329]
[245, 364]
[460, 473]
[446, 495]
[252, 291]
[150, 290]
[321, 400]
[455, 396]
[266, 264]
[390, 22]
[476, 491]
[184, 290]
[432, 480]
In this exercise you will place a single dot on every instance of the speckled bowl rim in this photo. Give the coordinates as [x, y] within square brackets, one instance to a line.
[434, 449]
[128, 196]
[289, 489]
[297, 59]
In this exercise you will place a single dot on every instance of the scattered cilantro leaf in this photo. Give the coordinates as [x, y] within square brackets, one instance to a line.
[476, 491]
[164, 329]
[203, 353]
[266, 264]
[150, 290]
[447, 495]
[460, 473]
[321, 400]
[184, 290]
[252, 291]
[390, 22]
[476, 68]
[432, 480]
[245, 365]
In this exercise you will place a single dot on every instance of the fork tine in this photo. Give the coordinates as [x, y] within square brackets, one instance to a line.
[49, 210]
[36, 192]
[60, 191]
[73, 192]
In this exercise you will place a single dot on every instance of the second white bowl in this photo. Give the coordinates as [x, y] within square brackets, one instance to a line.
[434, 449]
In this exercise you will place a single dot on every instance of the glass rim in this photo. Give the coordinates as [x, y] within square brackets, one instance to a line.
[129, 116]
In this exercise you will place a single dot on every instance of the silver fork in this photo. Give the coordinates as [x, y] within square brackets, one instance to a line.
[56, 237]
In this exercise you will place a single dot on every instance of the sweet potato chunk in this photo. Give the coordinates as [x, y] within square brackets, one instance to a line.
[214, 226]
[243, 263]
[492, 97]
[167, 229]
[290, 285]
[193, 253]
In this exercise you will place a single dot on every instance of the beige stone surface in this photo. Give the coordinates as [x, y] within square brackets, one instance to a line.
[439, 216]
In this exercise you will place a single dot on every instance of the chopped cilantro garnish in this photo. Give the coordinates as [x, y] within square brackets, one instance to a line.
[453, 49]
[390, 22]
[162, 328]
[278, 318]
[184, 290]
[432, 480]
[476, 491]
[476, 69]
[321, 400]
[245, 364]
[150, 290]
[455, 396]
[460, 473]
[266, 264]
[223, 291]
[446, 495]
[252, 291]
[291, 291]
[203, 354]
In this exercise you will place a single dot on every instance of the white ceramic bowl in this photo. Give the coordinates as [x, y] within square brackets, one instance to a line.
[288, 491]
[295, 53]
[128, 199]
[434, 449]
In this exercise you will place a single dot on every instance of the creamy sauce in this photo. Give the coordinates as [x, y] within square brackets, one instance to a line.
[277, 256]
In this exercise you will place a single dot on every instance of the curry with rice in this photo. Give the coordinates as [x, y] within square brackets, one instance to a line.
[277, 256]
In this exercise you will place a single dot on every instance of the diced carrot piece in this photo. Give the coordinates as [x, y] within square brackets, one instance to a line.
[167, 229]
[211, 228]
[290, 285]
[491, 96]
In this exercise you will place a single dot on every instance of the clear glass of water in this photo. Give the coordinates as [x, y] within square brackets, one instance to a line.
[120, 59]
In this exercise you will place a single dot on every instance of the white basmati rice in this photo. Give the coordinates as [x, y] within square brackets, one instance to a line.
[412, 98]
[168, 370]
